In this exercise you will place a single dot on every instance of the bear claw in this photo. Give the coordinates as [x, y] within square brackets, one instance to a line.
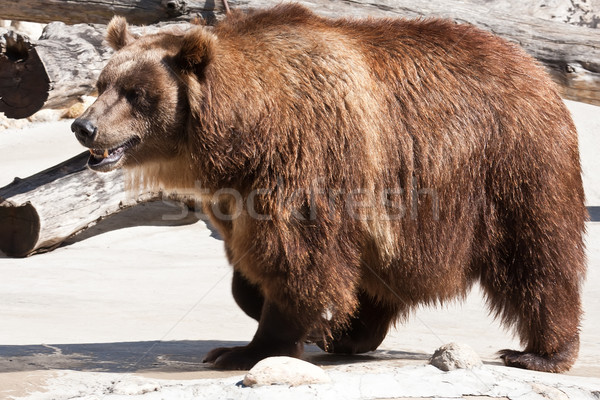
[535, 362]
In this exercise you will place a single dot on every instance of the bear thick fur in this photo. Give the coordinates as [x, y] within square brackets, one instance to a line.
[357, 169]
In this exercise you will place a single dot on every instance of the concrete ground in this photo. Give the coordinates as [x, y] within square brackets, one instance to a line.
[128, 308]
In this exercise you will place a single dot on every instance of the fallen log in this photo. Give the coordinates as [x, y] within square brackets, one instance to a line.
[38, 213]
[64, 64]
[140, 12]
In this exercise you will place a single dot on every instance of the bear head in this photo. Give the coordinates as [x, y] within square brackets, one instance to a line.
[141, 111]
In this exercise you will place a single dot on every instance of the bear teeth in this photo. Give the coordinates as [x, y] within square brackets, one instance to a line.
[97, 153]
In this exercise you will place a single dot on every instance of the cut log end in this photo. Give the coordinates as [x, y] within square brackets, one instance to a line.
[19, 230]
[24, 83]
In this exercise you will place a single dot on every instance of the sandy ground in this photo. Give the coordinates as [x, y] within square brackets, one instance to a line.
[128, 309]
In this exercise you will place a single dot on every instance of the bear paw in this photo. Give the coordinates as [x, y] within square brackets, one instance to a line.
[233, 358]
[536, 362]
[245, 357]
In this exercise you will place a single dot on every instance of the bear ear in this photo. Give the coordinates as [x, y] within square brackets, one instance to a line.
[117, 33]
[197, 50]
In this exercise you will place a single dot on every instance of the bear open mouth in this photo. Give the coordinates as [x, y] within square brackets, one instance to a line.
[102, 159]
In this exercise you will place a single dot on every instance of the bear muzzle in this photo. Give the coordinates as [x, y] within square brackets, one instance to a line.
[103, 159]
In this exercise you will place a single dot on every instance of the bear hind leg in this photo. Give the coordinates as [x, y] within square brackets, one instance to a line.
[541, 298]
[559, 361]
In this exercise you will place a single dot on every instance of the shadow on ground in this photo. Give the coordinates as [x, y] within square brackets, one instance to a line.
[594, 213]
[171, 356]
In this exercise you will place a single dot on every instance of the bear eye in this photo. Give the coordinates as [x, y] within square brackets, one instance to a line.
[134, 95]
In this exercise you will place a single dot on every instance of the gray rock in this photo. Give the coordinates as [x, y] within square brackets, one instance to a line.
[453, 356]
[285, 371]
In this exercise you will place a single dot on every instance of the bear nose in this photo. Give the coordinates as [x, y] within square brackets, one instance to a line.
[85, 130]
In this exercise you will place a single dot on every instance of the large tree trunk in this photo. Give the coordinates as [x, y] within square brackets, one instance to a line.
[64, 64]
[38, 213]
[139, 12]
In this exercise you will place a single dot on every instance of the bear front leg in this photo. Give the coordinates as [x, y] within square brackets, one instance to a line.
[365, 330]
[247, 296]
[278, 334]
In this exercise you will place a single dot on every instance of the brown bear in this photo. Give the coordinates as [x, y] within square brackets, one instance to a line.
[357, 169]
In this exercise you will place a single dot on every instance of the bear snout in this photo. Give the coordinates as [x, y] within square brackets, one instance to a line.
[85, 131]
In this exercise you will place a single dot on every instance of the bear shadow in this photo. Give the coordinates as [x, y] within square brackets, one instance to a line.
[156, 356]
[120, 357]
[316, 356]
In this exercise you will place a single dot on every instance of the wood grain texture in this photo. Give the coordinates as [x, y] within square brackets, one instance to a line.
[73, 57]
[100, 12]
